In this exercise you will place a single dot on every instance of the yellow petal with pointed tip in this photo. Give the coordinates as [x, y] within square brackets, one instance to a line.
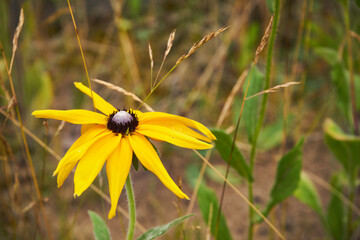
[92, 162]
[157, 118]
[149, 158]
[76, 116]
[171, 136]
[179, 127]
[99, 102]
[85, 138]
[117, 169]
[69, 161]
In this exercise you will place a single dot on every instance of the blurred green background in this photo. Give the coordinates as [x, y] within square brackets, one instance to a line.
[311, 47]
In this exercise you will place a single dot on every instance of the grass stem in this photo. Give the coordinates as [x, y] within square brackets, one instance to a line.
[262, 112]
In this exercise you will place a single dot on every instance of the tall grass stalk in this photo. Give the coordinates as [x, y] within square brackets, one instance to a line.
[30, 162]
[262, 113]
[346, 12]
[82, 53]
[352, 179]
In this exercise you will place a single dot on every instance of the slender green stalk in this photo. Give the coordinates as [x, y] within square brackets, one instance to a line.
[131, 202]
[346, 10]
[352, 179]
[262, 113]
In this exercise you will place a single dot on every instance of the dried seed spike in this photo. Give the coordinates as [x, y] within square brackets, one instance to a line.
[151, 56]
[170, 42]
[274, 89]
[263, 40]
[198, 44]
[151, 65]
[16, 37]
[123, 91]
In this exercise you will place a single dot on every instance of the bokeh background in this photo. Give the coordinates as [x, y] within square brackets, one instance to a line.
[311, 47]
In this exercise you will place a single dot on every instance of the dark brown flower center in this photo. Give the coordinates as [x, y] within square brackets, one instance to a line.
[122, 121]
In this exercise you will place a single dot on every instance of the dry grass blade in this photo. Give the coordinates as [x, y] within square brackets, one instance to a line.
[264, 40]
[58, 158]
[81, 51]
[29, 159]
[200, 43]
[167, 51]
[230, 98]
[170, 43]
[334, 191]
[123, 91]
[240, 195]
[30, 134]
[274, 89]
[151, 64]
[355, 35]
[16, 37]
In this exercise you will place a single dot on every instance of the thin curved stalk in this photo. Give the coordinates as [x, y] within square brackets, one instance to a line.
[131, 202]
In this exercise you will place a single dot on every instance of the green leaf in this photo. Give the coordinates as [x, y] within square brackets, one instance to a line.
[345, 147]
[307, 194]
[135, 162]
[341, 82]
[45, 93]
[209, 206]
[160, 230]
[251, 108]
[271, 135]
[223, 145]
[101, 231]
[287, 177]
[357, 3]
[336, 214]
[328, 54]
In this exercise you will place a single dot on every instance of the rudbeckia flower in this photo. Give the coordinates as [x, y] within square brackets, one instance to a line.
[113, 135]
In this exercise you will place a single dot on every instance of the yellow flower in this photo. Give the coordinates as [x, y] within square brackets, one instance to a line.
[113, 135]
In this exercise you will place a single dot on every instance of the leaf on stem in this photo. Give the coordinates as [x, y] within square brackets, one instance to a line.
[101, 231]
[160, 230]
[223, 145]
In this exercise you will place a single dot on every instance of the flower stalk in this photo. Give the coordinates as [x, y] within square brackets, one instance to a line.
[131, 205]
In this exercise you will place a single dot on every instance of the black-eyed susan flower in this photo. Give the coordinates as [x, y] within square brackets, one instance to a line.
[113, 135]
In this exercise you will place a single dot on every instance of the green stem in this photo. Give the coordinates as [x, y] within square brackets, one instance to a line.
[346, 10]
[131, 202]
[262, 112]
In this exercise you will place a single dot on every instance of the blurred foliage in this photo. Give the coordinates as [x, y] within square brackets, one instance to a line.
[115, 37]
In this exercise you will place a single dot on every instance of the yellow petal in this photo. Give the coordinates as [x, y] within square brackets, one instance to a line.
[92, 162]
[85, 138]
[117, 169]
[76, 116]
[86, 127]
[171, 136]
[180, 127]
[76, 151]
[100, 103]
[157, 118]
[149, 158]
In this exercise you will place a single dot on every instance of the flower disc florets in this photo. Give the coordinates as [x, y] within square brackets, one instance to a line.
[122, 121]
